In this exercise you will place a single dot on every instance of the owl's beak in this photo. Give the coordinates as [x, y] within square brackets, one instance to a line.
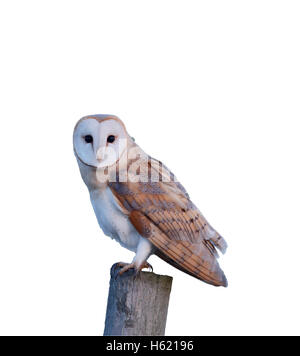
[100, 155]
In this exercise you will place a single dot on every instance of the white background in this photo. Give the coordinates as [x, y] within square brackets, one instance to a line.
[212, 89]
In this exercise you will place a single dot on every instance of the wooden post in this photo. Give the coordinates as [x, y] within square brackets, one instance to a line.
[137, 305]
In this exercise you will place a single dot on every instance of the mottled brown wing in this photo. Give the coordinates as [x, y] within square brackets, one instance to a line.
[163, 213]
[196, 259]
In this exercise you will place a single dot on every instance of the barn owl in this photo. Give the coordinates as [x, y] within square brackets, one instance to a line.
[139, 202]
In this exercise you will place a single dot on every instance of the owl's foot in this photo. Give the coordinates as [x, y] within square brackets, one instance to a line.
[127, 266]
[115, 269]
[146, 265]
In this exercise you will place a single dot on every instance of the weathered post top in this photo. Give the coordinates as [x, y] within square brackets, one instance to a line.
[137, 305]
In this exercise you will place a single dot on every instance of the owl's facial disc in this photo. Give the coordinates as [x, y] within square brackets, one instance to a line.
[99, 143]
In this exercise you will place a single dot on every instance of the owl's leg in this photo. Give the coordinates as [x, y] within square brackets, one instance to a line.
[143, 251]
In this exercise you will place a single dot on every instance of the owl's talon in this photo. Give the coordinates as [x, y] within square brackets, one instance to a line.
[115, 272]
[126, 267]
[150, 267]
[146, 265]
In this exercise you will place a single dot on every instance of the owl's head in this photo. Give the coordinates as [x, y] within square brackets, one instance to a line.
[99, 140]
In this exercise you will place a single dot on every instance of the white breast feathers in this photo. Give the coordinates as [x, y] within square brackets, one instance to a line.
[112, 219]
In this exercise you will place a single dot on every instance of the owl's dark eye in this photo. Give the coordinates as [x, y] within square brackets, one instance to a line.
[88, 138]
[111, 138]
